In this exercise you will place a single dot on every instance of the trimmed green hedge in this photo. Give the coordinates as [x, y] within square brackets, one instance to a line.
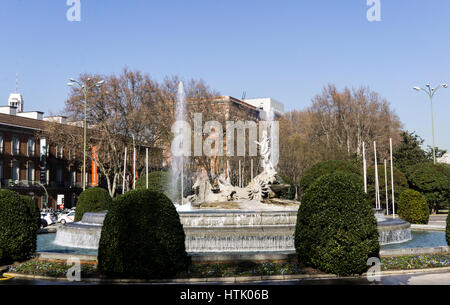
[19, 222]
[94, 199]
[157, 181]
[290, 192]
[142, 237]
[413, 207]
[336, 229]
[433, 181]
[324, 168]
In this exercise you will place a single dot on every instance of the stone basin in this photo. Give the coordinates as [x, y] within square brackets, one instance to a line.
[227, 231]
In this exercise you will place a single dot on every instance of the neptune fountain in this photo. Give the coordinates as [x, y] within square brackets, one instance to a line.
[253, 227]
[257, 224]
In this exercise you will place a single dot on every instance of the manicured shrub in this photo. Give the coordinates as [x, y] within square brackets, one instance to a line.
[142, 237]
[413, 207]
[94, 199]
[157, 181]
[336, 229]
[19, 221]
[326, 167]
[433, 181]
[34, 209]
[290, 192]
[400, 184]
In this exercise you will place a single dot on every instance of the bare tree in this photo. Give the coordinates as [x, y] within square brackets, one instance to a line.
[129, 110]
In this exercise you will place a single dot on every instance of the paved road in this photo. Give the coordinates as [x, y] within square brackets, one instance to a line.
[405, 279]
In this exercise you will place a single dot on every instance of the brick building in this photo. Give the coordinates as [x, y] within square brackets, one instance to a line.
[28, 166]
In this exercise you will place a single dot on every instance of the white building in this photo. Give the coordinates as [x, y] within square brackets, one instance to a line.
[444, 159]
[16, 107]
[267, 105]
[16, 101]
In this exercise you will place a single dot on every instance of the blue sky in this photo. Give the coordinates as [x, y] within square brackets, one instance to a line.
[285, 49]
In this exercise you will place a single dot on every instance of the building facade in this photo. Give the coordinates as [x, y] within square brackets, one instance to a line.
[29, 165]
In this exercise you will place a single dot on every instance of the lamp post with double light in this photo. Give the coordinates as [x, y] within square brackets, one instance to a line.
[431, 92]
[85, 87]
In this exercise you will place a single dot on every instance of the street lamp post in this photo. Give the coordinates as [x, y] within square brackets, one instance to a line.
[431, 92]
[88, 85]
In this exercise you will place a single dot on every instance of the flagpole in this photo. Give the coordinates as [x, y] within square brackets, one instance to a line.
[124, 170]
[392, 178]
[365, 168]
[134, 167]
[146, 168]
[377, 190]
[386, 186]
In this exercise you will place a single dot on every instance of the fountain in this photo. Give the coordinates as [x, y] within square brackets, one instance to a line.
[82, 234]
[254, 226]
[392, 230]
[177, 164]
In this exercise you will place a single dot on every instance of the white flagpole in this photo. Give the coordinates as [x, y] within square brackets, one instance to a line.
[392, 179]
[146, 168]
[386, 186]
[124, 170]
[377, 198]
[365, 168]
[134, 168]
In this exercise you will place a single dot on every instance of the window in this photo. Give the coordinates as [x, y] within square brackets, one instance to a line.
[30, 147]
[59, 152]
[15, 145]
[59, 175]
[73, 176]
[30, 173]
[44, 201]
[72, 154]
[47, 176]
[15, 171]
[1, 144]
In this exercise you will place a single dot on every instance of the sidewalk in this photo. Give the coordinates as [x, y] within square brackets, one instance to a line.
[435, 222]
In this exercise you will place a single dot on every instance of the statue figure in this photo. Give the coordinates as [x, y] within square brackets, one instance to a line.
[265, 153]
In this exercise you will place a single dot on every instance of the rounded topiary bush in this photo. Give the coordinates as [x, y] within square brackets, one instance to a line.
[291, 191]
[142, 237]
[157, 181]
[94, 199]
[336, 229]
[19, 222]
[413, 207]
[324, 168]
[433, 181]
[34, 209]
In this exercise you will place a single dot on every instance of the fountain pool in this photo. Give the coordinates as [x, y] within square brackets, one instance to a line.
[215, 231]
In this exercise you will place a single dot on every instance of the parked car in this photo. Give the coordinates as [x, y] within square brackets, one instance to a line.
[66, 217]
[47, 219]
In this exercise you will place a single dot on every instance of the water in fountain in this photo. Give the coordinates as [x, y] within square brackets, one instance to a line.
[177, 165]
[83, 234]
